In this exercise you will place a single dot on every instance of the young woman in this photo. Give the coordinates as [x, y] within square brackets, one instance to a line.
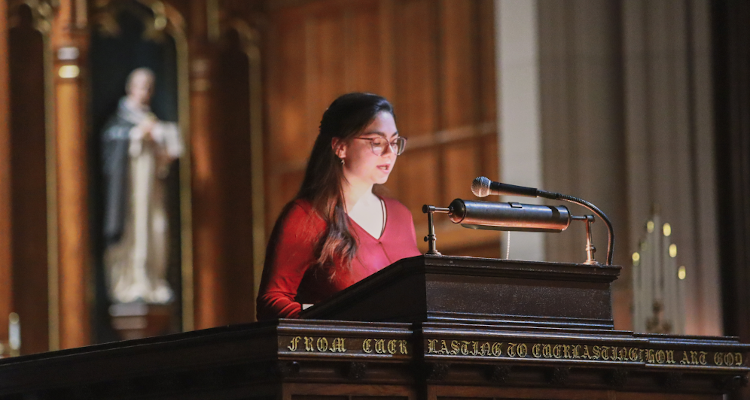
[337, 231]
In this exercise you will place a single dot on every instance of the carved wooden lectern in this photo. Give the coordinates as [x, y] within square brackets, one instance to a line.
[428, 327]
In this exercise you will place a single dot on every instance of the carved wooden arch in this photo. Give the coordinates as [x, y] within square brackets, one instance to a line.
[42, 13]
[250, 43]
[167, 20]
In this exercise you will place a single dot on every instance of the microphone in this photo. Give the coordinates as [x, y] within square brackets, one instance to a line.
[483, 187]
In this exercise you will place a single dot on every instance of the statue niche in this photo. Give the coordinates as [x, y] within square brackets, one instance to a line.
[139, 146]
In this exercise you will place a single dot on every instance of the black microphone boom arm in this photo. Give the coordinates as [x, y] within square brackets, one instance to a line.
[483, 187]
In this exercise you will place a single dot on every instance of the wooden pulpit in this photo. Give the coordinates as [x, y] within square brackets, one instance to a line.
[427, 328]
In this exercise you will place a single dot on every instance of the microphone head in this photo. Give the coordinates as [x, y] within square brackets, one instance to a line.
[481, 186]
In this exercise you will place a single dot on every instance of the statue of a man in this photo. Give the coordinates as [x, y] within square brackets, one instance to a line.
[137, 151]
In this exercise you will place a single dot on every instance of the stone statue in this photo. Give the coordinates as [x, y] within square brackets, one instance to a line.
[137, 150]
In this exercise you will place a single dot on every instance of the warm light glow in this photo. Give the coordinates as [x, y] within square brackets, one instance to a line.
[160, 23]
[636, 258]
[69, 71]
[673, 250]
[667, 229]
[650, 226]
[681, 273]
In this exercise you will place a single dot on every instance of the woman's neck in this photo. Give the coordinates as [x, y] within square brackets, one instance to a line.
[353, 193]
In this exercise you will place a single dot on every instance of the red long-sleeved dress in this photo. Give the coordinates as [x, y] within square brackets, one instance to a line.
[289, 278]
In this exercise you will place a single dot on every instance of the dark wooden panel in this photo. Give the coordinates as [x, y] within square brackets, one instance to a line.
[286, 110]
[6, 260]
[461, 167]
[489, 160]
[418, 180]
[287, 79]
[487, 71]
[233, 123]
[325, 38]
[363, 59]
[459, 62]
[29, 177]
[416, 68]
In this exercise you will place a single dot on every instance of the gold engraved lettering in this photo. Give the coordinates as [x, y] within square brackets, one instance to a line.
[701, 358]
[455, 347]
[464, 348]
[685, 359]
[694, 357]
[367, 345]
[576, 349]
[392, 346]
[566, 351]
[633, 354]
[475, 348]
[430, 346]
[650, 356]
[380, 346]
[597, 351]
[523, 351]
[615, 353]
[338, 345]
[512, 349]
[605, 356]
[660, 357]
[737, 358]
[309, 342]
[729, 359]
[640, 355]
[322, 344]
[444, 347]
[293, 345]
[497, 349]
[557, 351]
[402, 347]
[718, 359]
[536, 350]
[486, 350]
[670, 356]
[547, 351]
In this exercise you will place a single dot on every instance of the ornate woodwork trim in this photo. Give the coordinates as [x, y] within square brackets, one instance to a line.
[42, 12]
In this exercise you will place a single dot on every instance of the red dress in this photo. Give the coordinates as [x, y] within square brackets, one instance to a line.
[288, 277]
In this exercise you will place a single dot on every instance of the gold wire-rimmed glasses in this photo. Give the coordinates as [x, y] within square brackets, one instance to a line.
[378, 145]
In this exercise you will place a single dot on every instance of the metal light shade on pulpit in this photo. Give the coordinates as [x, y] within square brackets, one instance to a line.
[509, 216]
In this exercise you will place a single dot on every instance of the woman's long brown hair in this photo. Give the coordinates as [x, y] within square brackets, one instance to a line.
[344, 119]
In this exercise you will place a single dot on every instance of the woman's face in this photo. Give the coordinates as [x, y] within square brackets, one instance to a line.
[361, 164]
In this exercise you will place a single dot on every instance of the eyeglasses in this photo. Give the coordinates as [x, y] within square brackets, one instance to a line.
[379, 144]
